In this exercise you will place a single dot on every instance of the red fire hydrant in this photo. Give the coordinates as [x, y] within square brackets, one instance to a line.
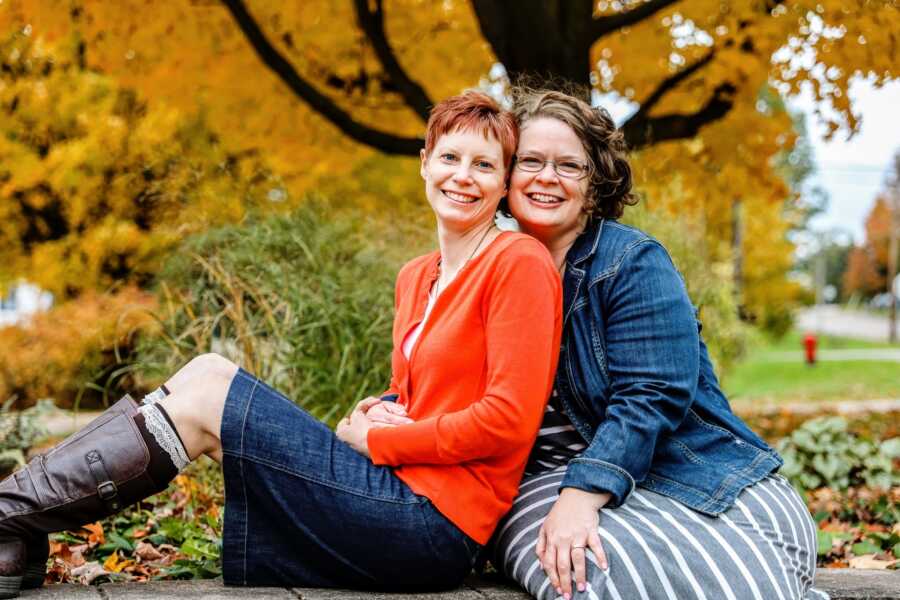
[809, 343]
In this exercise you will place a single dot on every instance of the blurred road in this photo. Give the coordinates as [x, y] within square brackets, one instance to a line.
[62, 423]
[834, 320]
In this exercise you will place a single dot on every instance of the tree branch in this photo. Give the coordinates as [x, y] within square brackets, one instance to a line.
[269, 55]
[667, 84]
[372, 24]
[606, 25]
[641, 130]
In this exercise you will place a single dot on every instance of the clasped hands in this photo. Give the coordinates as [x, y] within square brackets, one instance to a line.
[368, 413]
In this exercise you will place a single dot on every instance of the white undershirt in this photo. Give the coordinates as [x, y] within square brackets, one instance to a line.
[413, 336]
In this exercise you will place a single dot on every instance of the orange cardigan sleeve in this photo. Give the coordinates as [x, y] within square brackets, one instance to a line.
[522, 328]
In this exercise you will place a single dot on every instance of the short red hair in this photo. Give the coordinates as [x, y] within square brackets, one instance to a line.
[473, 111]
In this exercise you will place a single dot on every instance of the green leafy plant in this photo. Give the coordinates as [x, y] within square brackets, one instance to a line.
[821, 452]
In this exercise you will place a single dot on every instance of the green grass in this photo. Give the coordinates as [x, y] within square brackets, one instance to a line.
[762, 381]
[765, 377]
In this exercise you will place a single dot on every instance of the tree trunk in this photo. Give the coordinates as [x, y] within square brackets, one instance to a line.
[539, 37]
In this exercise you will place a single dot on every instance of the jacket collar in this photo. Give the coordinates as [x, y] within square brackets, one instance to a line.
[586, 243]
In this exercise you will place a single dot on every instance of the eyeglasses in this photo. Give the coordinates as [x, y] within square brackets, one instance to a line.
[571, 169]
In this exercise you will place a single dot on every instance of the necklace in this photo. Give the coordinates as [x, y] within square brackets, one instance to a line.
[437, 284]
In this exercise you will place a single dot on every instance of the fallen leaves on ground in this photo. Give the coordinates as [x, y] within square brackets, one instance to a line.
[774, 426]
[173, 535]
[858, 528]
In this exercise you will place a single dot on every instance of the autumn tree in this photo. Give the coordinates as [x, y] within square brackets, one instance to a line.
[710, 55]
[372, 68]
[96, 185]
[328, 92]
[862, 276]
[867, 268]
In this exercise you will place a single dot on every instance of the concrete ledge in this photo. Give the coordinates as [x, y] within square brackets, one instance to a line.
[850, 584]
[841, 584]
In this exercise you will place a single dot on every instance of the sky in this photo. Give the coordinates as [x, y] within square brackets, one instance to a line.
[853, 171]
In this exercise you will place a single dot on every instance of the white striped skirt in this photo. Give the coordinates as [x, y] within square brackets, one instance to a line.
[763, 547]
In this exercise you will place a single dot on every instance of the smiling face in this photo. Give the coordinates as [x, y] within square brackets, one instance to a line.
[545, 204]
[464, 179]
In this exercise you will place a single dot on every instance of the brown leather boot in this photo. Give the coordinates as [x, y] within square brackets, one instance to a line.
[12, 566]
[24, 564]
[37, 551]
[89, 476]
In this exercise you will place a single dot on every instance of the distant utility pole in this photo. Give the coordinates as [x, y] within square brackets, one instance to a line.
[893, 243]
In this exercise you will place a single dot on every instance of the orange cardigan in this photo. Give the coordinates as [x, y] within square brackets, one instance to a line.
[477, 381]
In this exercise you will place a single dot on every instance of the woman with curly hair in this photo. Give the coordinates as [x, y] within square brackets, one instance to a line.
[642, 482]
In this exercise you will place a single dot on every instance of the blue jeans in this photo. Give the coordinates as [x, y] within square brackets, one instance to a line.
[302, 508]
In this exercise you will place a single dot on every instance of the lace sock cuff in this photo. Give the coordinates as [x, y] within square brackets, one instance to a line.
[156, 395]
[159, 426]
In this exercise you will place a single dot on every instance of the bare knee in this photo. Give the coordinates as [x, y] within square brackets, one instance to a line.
[197, 401]
[211, 365]
[205, 371]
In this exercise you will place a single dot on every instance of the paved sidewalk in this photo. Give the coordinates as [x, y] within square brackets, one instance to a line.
[841, 584]
[61, 423]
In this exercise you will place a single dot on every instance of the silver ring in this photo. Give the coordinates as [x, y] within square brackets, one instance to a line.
[578, 547]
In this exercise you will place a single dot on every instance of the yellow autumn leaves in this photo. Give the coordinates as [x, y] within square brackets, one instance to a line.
[97, 184]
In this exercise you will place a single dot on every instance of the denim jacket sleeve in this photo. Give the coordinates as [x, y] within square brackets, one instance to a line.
[652, 357]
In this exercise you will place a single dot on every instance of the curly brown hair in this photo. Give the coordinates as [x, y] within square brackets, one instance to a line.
[609, 187]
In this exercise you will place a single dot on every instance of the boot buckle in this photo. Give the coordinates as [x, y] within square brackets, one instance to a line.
[107, 490]
[106, 487]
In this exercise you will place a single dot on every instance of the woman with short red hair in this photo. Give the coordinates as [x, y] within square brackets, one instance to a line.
[411, 486]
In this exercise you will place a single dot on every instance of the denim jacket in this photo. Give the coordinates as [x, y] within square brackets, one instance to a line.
[636, 380]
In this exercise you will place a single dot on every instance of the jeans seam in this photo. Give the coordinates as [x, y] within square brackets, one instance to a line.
[704, 423]
[434, 551]
[244, 480]
[689, 454]
[323, 482]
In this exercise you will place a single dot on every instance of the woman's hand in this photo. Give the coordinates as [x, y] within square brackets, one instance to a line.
[384, 414]
[354, 430]
[568, 530]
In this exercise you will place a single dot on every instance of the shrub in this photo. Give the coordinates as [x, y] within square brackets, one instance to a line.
[77, 353]
[822, 453]
[303, 300]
